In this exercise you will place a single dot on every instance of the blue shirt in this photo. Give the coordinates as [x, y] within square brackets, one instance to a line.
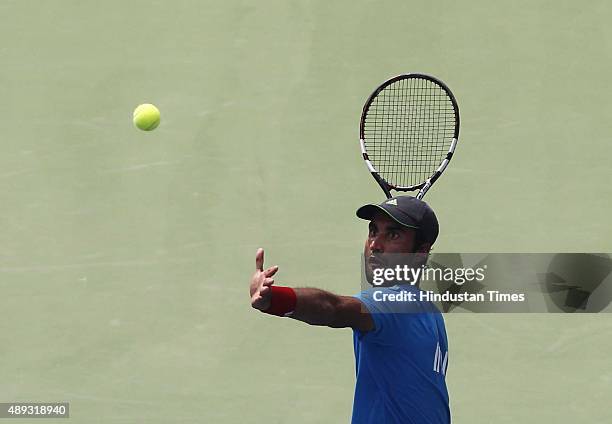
[401, 364]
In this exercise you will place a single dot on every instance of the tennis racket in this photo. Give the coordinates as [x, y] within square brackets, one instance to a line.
[408, 132]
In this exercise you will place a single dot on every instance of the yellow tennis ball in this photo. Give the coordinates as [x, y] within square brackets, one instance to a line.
[146, 117]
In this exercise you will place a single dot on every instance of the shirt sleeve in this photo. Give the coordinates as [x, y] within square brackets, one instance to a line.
[384, 320]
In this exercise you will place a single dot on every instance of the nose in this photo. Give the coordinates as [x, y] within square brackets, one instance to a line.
[376, 245]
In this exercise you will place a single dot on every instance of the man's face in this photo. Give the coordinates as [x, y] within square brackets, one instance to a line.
[386, 241]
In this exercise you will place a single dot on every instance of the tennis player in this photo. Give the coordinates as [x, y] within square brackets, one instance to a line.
[401, 349]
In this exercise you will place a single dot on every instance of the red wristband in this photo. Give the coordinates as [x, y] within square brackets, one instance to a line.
[283, 301]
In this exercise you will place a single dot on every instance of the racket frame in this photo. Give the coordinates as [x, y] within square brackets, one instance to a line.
[425, 185]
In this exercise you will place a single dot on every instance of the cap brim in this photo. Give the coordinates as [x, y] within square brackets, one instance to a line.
[367, 212]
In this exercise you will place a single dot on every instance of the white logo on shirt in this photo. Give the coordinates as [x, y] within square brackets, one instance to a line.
[440, 364]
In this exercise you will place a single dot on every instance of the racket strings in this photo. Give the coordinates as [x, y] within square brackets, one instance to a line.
[408, 130]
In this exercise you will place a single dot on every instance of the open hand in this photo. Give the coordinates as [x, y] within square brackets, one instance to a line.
[261, 281]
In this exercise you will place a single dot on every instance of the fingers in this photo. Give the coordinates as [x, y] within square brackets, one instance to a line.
[261, 298]
[266, 286]
[259, 263]
[271, 271]
[259, 259]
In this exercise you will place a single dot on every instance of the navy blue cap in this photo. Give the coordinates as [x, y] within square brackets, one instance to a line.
[409, 212]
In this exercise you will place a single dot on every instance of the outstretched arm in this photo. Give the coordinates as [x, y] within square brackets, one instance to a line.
[313, 306]
[320, 307]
